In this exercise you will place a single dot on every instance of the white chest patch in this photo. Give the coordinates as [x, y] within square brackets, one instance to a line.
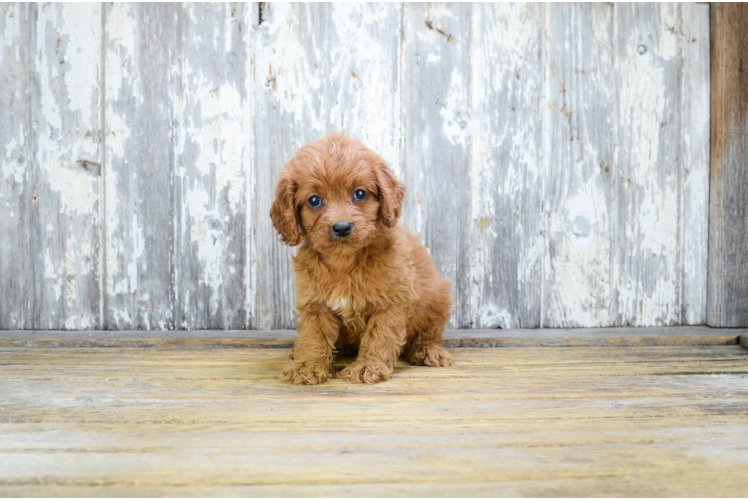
[338, 304]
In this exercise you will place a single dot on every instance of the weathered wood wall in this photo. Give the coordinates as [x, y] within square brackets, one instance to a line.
[728, 203]
[557, 156]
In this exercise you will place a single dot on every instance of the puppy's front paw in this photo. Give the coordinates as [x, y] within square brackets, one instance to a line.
[367, 372]
[430, 355]
[309, 372]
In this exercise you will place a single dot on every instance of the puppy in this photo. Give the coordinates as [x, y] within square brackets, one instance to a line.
[362, 282]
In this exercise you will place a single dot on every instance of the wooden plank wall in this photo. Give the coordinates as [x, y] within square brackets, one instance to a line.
[557, 156]
[50, 142]
[728, 203]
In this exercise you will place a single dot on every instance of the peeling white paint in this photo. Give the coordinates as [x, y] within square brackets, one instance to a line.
[120, 267]
[213, 160]
[695, 96]
[74, 96]
[580, 190]
[455, 111]
[250, 262]
[83, 37]
[279, 66]
[66, 121]
[622, 193]
[14, 164]
[491, 316]
[505, 163]
[218, 134]
[12, 31]
[209, 243]
[482, 181]
[52, 275]
[78, 192]
[647, 281]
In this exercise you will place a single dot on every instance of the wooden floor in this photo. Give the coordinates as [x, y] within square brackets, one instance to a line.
[216, 421]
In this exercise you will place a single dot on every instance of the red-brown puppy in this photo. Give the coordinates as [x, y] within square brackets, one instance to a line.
[362, 282]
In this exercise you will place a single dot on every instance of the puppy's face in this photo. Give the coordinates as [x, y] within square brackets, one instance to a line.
[338, 206]
[336, 195]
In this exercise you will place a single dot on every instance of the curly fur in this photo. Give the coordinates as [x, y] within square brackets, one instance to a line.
[377, 290]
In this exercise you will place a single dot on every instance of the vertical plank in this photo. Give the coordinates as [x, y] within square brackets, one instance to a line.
[436, 126]
[695, 162]
[65, 171]
[14, 153]
[728, 200]
[649, 177]
[139, 163]
[507, 220]
[319, 68]
[212, 154]
[580, 143]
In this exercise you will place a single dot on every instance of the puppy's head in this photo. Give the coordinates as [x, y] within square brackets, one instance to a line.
[337, 195]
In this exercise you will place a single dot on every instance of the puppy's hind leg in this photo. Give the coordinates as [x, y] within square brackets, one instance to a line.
[425, 335]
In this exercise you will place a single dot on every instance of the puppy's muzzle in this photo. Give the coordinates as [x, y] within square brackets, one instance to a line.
[341, 229]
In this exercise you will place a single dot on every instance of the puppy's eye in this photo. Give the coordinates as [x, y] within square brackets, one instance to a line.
[315, 201]
[359, 195]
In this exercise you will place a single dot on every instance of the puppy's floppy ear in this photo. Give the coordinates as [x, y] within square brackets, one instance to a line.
[283, 212]
[391, 193]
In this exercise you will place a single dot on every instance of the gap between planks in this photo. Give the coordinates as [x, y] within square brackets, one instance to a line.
[283, 339]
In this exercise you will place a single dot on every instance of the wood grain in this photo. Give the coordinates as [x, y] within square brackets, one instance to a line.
[212, 117]
[436, 141]
[694, 229]
[139, 165]
[728, 200]
[15, 193]
[49, 266]
[648, 169]
[230, 339]
[580, 95]
[666, 421]
[66, 122]
[507, 221]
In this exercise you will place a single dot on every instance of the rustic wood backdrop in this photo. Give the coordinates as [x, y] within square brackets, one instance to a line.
[556, 156]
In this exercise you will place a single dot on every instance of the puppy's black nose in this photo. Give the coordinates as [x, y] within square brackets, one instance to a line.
[342, 228]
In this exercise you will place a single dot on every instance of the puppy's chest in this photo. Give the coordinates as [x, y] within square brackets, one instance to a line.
[351, 301]
[353, 311]
[353, 296]
[341, 304]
